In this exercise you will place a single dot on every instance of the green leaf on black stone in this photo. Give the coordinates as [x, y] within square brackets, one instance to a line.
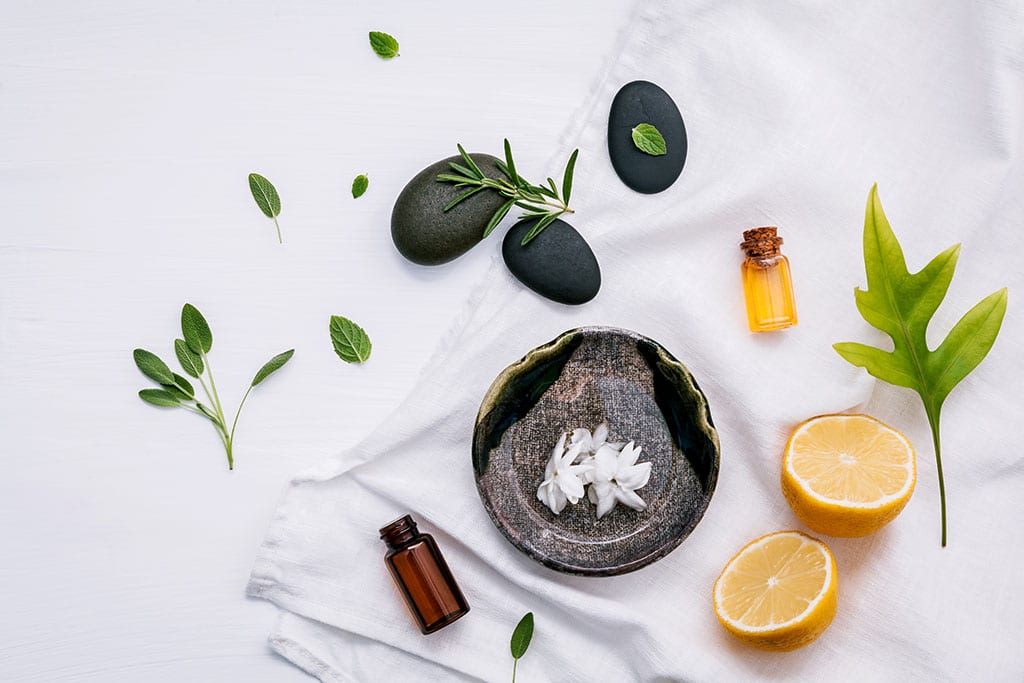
[190, 361]
[152, 367]
[159, 397]
[195, 330]
[498, 215]
[648, 139]
[350, 341]
[570, 168]
[383, 44]
[272, 365]
[359, 186]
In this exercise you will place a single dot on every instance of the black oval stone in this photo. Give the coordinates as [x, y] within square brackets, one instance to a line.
[644, 102]
[428, 235]
[557, 264]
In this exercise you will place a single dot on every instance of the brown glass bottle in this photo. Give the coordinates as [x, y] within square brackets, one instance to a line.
[419, 570]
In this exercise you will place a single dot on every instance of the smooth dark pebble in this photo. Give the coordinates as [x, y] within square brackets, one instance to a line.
[644, 102]
[557, 264]
[420, 228]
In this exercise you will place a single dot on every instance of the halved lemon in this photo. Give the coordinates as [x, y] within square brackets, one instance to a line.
[779, 592]
[847, 475]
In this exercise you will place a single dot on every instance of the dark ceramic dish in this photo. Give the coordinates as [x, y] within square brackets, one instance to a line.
[581, 378]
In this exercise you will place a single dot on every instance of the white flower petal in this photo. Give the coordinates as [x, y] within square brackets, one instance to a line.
[600, 435]
[571, 485]
[627, 497]
[634, 477]
[592, 494]
[605, 504]
[607, 461]
[629, 455]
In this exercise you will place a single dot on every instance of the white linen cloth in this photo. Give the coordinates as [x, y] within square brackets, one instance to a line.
[792, 112]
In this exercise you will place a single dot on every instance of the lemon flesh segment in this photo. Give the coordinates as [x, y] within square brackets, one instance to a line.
[779, 592]
[847, 475]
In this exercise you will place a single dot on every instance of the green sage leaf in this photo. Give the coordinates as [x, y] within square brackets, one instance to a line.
[522, 635]
[272, 366]
[901, 304]
[383, 44]
[350, 341]
[190, 361]
[183, 384]
[648, 139]
[265, 194]
[195, 329]
[152, 367]
[359, 186]
[159, 397]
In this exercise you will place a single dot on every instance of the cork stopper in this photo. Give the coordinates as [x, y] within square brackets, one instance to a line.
[761, 242]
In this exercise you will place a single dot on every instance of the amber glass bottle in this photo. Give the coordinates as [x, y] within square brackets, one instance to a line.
[767, 283]
[416, 564]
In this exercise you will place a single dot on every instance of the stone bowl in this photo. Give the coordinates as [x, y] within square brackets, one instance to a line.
[586, 376]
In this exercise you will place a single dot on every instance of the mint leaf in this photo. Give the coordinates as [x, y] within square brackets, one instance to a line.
[159, 397]
[152, 367]
[383, 44]
[272, 366]
[350, 341]
[190, 361]
[359, 186]
[648, 139]
[901, 304]
[195, 329]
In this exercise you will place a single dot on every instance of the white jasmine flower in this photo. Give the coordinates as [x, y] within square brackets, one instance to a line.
[562, 478]
[616, 477]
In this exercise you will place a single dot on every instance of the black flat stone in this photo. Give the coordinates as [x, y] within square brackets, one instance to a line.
[426, 234]
[557, 264]
[644, 102]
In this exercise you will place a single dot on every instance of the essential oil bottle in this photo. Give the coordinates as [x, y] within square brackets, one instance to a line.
[419, 570]
[767, 282]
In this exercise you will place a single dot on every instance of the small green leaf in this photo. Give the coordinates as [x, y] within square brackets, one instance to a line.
[159, 397]
[459, 168]
[350, 341]
[522, 635]
[539, 227]
[265, 194]
[570, 169]
[191, 362]
[152, 367]
[176, 393]
[464, 195]
[195, 329]
[272, 365]
[469, 162]
[359, 186]
[510, 165]
[208, 413]
[498, 215]
[648, 139]
[383, 44]
[183, 384]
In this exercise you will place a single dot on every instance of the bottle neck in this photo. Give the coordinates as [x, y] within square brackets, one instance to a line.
[400, 532]
[761, 243]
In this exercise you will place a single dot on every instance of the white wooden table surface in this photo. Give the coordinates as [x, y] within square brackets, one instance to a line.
[127, 130]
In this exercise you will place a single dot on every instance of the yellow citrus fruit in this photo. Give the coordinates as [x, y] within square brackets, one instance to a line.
[847, 475]
[779, 592]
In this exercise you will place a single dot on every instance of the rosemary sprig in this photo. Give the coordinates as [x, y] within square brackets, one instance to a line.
[537, 201]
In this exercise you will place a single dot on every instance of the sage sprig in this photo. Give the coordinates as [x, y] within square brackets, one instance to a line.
[177, 392]
[545, 203]
[521, 638]
[901, 304]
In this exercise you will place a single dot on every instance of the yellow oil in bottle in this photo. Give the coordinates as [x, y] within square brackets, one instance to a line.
[767, 282]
